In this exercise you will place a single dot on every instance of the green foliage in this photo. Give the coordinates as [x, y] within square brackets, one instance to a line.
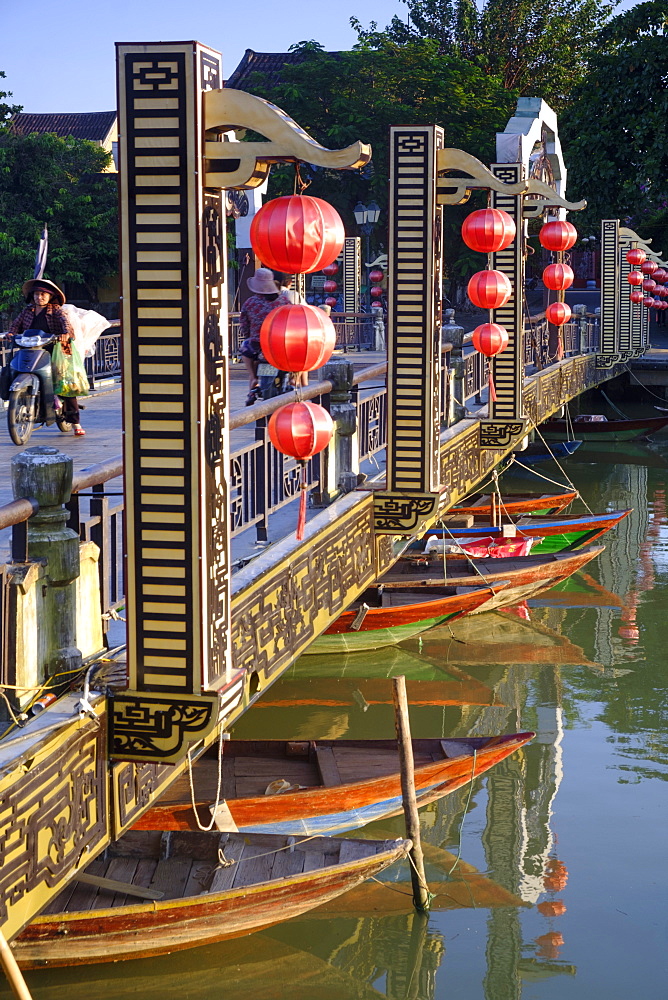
[44, 179]
[537, 47]
[615, 133]
[6, 110]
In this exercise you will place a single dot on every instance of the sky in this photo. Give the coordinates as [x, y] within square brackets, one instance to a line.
[67, 64]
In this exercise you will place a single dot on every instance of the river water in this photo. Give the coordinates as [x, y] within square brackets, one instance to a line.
[560, 886]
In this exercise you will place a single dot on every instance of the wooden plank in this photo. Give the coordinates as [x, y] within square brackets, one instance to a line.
[288, 863]
[452, 749]
[223, 878]
[83, 895]
[329, 770]
[353, 850]
[171, 875]
[255, 867]
[113, 892]
[313, 860]
[229, 786]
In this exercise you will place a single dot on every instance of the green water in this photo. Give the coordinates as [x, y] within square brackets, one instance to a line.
[573, 827]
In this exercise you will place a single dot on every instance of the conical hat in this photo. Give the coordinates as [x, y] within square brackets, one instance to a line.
[57, 296]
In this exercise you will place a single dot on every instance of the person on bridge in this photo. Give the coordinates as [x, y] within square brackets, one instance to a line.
[257, 306]
[44, 313]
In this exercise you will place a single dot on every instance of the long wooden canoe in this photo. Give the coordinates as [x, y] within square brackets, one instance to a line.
[556, 533]
[524, 576]
[539, 452]
[214, 886]
[376, 619]
[603, 430]
[479, 505]
[332, 786]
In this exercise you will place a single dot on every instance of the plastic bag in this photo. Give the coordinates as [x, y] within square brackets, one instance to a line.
[69, 374]
[87, 325]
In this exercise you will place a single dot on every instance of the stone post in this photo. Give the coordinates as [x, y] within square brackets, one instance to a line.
[340, 464]
[45, 474]
[452, 333]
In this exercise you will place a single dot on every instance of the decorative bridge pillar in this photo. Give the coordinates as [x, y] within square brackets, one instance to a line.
[609, 345]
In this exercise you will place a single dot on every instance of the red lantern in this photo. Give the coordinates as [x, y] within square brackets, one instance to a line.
[297, 234]
[558, 313]
[297, 338]
[490, 339]
[662, 290]
[489, 289]
[660, 276]
[376, 292]
[649, 267]
[376, 276]
[331, 270]
[558, 236]
[636, 256]
[488, 230]
[649, 284]
[558, 277]
[658, 304]
[301, 430]
[648, 301]
[377, 304]
[552, 908]
[634, 277]
[636, 295]
[329, 301]
[329, 287]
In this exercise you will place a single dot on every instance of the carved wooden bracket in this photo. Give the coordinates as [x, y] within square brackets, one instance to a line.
[457, 190]
[546, 197]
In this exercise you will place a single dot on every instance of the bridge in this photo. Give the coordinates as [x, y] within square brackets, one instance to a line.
[212, 621]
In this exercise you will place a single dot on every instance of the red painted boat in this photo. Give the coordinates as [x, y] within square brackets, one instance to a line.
[202, 887]
[483, 505]
[330, 786]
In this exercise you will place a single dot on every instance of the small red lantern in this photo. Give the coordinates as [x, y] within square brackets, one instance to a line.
[636, 256]
[636, 295]
[490, 339]
[376, 292]
[297, 234]
[552, 908]
[331, 302]
[301, 430]
[649, 266]
[297, 338]
[635, 277]
[648, 301]
[662, 290]
[376, 276]
[558, 313]
[660, 276]
[488, 230]
[331, 270]
[489, 289]
[558, 236]
[329, 287]
[649, 285]
[657, 302]
[377, 304]
[558, 277]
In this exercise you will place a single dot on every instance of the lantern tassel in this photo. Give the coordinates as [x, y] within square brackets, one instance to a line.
[492, 390]
[301, 517]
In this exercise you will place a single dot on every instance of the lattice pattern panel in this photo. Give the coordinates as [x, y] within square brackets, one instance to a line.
[352, 274]
[609, 343]
[414, 360]
[627, 309]
[508, 368]
[175, 351]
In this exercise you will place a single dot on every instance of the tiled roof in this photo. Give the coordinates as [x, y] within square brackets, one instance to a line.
[93, 125]
[270, 63]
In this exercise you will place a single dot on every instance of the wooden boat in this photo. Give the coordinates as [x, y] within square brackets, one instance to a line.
[524, 576]
[376, 619]
[539, 452]
[482, 505]
[210, 886]
[616, 453]
[331, 786]
[555, 533]
[601, 429]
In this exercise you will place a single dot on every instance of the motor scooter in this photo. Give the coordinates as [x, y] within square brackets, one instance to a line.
[271, 381]
[30, 391]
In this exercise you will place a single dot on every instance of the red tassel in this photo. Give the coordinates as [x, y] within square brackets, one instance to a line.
[301, 517]
[492, 390]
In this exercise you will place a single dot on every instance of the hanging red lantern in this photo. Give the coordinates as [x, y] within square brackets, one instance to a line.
[636, 256]
[331, 270]
[329, 287]
[488, 230]
[649, 284]
[648, 301]
[297, 234]
[657, 303]
[660, 276]
[662, 290]
[490, 339]
[649, 266]
[635, 277]
[636, 295]
[489, 289]
[558, 236]
[331, 302]
[558, 313]
[558, 277]
[297, 338]
[301, 430]
[376, 276]
[377, 304]
[376, 292]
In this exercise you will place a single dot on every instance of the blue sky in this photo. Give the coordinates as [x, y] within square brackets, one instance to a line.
[67, 63]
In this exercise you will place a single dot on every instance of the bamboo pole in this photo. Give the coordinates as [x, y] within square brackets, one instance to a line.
[402, 723]
[12, 971]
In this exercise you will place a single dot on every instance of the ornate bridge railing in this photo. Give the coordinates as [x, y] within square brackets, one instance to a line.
[354, 332]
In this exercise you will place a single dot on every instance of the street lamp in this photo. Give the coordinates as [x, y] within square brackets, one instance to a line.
[366, 217]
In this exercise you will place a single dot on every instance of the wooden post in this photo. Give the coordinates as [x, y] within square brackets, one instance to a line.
[402, 723]
[12, 971]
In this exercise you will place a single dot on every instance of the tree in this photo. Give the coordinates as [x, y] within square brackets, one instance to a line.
[7, 111]
[44, 179]
[538, 47]
[615, 133]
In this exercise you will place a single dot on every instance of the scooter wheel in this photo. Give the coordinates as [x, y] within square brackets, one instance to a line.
[63, 425]
[21, 415]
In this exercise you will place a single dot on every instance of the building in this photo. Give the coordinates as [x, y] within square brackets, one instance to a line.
[100, 127]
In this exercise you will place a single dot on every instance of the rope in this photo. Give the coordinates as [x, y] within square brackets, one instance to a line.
[483, 576]
[466, 809]
[207, 829]
[636, 379]
[562, 470]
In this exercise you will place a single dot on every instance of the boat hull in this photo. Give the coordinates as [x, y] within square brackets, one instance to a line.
[523, 503]
[605, 430]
